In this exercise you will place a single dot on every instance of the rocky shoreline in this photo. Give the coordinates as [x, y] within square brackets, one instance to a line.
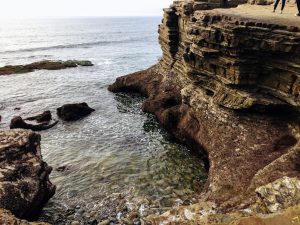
[227, 86]
[217, 90]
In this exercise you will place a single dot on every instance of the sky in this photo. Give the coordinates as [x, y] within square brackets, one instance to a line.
[81, 8]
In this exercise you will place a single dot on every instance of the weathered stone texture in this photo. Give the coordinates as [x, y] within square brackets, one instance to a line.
[6, 218]
[227, 86]
[24, 177]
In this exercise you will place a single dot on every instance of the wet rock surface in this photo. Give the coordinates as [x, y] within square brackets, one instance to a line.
[227, 87]
[24, 177]
[73, 112]
[19, 123]
[43, 65]
[43, 117]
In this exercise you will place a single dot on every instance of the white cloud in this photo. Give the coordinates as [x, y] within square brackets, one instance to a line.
[74, 8]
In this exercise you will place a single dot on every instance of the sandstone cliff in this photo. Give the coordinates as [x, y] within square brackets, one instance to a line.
[24, 177]
[228, 86]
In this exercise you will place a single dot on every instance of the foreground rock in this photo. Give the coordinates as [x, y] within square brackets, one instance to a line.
[73, 112]
[228, 87]
[42, 65]
[279, 195]
[24, 177]
[202, 215]
[7, 218]
[19, 123]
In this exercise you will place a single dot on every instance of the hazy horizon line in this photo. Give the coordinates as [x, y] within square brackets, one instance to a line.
[81, 17]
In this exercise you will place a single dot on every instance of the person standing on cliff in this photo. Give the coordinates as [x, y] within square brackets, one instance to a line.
[282, 6]
[298, 6]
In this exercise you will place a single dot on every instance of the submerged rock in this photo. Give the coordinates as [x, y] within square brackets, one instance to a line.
[19, 123]
[44, 117]
[73, 112]
[24, 177]
[43, 65]
[63, 168]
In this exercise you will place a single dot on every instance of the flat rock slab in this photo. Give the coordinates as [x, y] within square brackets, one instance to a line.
[261, 14]
[42, 65]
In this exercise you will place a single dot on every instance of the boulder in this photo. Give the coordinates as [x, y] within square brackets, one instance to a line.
[19, 123]
[44, 117]
[24, 177]
[73, 112]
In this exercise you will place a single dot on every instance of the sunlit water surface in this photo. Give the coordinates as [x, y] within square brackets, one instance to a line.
[118, 149]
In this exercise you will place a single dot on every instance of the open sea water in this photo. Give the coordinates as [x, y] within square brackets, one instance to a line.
[118, 150]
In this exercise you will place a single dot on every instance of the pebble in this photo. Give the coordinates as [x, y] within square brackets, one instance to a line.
[136, 222]
[105, 222]
[92, 213]
[70, 211]
[75, 223]
[93, 222]
[80, 211]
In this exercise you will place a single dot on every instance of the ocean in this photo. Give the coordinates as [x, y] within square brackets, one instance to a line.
[118, 150]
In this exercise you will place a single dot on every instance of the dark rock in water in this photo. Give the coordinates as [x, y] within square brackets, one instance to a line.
[19, 123]
[17, 108]
[44, 117]
[63, 168]
[24, 179]
[72, 112]
[43, 65]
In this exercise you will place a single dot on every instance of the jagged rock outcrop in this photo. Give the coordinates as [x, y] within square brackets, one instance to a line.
[228, 86]
[24, 177]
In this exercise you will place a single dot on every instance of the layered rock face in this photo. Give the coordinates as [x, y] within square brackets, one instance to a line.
[240, 63]
[228, 86]
[24, 177]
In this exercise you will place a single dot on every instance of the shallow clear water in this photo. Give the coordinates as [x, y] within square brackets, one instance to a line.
[118, 149]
